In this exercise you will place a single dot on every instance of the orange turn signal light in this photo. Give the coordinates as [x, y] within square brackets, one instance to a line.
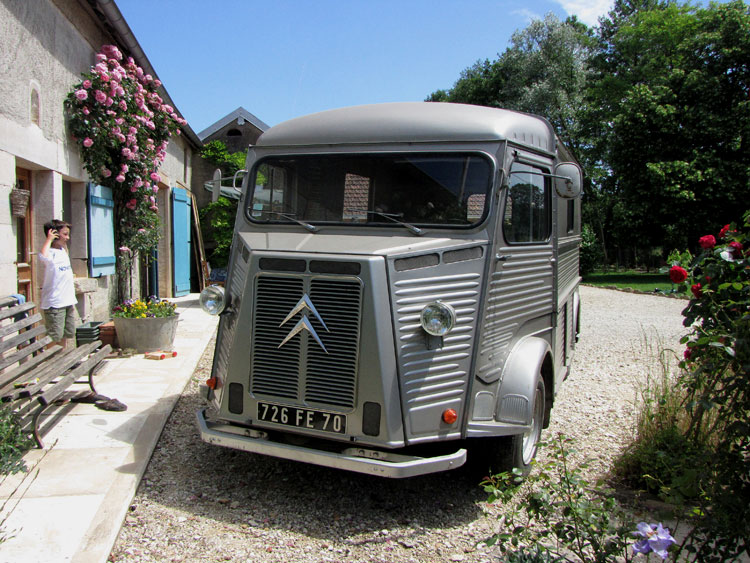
[450, 416]
[211, 382]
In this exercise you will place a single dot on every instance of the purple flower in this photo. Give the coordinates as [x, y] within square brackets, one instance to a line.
[654, 538]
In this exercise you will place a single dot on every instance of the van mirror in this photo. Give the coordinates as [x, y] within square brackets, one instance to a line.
[568, 179]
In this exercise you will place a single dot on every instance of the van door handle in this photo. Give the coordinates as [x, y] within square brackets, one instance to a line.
[501, 257]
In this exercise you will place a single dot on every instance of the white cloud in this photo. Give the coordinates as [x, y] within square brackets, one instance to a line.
[588, 11]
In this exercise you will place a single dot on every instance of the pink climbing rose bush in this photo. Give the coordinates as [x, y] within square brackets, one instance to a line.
[122, 126]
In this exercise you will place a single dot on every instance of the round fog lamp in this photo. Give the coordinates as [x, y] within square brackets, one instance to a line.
[438, 318]
[212, 300]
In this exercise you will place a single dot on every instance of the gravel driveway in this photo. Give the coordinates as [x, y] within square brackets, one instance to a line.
[206, 503]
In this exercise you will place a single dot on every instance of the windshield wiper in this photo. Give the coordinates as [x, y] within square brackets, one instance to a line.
[308, 226]
[392, 217]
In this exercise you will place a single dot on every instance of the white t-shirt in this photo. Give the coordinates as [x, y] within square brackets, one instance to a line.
[57, 288]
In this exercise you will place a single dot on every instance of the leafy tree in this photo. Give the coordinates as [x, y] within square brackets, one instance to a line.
[216, 153]
[543, 72]
[669, 116]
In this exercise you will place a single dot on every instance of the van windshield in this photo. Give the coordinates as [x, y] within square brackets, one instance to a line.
[436, 189]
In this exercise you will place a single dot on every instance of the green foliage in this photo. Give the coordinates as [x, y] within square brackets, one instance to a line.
[557, 508]
[216, 153]
[217, 224]
[668, 109]
[543, 72]
[13, 443]
[693, 445]
[591, 252]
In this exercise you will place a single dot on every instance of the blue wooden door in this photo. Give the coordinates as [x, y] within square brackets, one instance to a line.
[181, 214]
[101, 231]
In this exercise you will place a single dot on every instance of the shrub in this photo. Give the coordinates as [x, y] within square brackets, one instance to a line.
[14, 442]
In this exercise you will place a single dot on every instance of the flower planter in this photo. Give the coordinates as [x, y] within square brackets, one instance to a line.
[19, 202]
[146, 335]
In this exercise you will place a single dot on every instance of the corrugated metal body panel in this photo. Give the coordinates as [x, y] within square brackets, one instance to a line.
[331, 376]
[228, 324]
[288, 362]
[520, 289]
[432, 380]
[567, 264]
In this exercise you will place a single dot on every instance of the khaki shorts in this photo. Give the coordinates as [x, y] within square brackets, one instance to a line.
[60, 323]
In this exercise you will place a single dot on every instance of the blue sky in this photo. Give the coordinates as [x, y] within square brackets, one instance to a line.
[280, 59]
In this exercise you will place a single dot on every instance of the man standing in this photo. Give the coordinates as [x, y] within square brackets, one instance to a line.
[58, 292]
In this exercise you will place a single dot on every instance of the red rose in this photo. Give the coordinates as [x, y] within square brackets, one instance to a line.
[677, 274]
[697, 291]
[724, 230]
[687, 353]
[736, 249]
[707, 242]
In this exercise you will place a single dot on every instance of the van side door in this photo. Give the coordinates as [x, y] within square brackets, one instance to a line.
[520, 296]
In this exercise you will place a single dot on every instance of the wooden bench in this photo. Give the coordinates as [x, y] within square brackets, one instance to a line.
[33, 374]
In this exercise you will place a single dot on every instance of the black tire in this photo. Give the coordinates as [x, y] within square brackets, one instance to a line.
[508, 452]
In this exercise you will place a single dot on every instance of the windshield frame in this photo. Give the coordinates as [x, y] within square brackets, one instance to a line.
[275, 218]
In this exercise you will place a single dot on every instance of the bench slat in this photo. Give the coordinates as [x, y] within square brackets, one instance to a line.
[16, 310]
[23, 373]
[20, 324]
[21, 338]
[48, 396]
[24, 352]
[52, 370]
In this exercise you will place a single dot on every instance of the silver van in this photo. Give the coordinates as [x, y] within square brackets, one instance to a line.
[402, 289]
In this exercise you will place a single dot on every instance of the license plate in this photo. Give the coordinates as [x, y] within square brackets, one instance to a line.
[302, 418]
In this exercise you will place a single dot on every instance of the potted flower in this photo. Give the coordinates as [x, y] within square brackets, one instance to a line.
[146, 326]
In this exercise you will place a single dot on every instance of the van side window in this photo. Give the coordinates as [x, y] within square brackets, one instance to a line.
[527, 205]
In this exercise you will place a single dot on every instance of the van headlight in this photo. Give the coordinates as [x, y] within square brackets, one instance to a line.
[213, 300]
[438, 318]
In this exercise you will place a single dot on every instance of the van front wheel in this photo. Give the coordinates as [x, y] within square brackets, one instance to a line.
[519, 450]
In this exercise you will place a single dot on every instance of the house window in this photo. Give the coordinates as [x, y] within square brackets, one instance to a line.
[35, 107]
[234, 133]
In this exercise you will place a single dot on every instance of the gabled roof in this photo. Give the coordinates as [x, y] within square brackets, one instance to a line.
[240, 115]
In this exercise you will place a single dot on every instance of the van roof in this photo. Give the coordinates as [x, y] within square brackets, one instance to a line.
[411, 122]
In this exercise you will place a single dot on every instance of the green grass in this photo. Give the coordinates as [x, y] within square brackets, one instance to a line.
[631, 279]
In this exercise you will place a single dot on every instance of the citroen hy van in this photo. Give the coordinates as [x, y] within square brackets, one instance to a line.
[402, 290]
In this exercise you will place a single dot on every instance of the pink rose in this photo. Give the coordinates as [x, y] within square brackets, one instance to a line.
[131, 204]
[155, 177]
[86, 111]
[87, 83]
[677, 274]
[120, 178]
[81, 94]
[106, 172]
[100, 96]
[707, 242]
[133, 189]
[87, 142]
[125, 249]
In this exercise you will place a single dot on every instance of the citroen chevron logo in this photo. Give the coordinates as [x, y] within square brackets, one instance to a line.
[304, 323]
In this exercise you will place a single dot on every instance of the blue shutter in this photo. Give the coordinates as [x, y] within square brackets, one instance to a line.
[181, 213]
[101, 231]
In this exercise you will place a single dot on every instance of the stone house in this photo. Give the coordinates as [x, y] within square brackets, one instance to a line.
[45, 45]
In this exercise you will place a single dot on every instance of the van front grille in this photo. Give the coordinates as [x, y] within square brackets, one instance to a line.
[289, 363]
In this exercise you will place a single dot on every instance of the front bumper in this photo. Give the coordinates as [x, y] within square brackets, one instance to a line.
[360, 460]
